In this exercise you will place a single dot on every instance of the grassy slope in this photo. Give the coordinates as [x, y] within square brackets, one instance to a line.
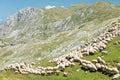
[111, 59]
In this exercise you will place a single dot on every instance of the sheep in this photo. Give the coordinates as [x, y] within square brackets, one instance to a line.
[110, 70]
[66, 64]
[114, 71]
[22, 65]
[105, 42]
[36, 72]
[49, 72]
[55, 67]
[49, 68]
[100, 60]
[71, 60]
[61, 66]
[43, 73]
[118, 66]
[72, 64]
[32, 63]
[119, 42]
[57, 72]
[116, 76]
[100, 38]
[91, 66]
[98, 65]
[94, 61]
[65, 74]
[102, 44]
[104, 52]
[96, 48]
[91, 50]
[85, 52]
[88, 65]
[76, 59]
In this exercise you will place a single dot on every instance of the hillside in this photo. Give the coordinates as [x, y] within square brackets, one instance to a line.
[105, 54]
[35, 34]
[76, 72]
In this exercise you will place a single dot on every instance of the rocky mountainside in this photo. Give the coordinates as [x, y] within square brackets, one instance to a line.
[33, 34]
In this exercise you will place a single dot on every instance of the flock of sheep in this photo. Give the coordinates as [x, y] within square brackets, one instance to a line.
[67, 60]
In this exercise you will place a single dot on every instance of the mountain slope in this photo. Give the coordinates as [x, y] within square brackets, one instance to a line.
[33, 34]
[76, 72]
